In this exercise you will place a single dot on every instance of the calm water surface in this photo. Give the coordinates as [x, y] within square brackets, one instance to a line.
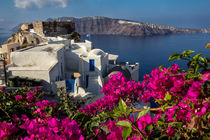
[4, 35]
[151, 52]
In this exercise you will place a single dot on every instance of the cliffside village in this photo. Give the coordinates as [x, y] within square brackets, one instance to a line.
[59, 62]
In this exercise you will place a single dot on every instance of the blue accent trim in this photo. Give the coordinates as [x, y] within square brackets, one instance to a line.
[92, 64]
[70, 85]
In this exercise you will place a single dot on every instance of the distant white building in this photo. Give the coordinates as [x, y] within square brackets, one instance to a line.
[82, 68]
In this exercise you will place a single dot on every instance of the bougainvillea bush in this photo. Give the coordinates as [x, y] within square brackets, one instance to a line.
[181, 98]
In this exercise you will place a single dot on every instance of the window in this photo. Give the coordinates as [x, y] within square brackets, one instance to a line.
[111, 62]
[92, 64]
[70, 85]
[87, 80]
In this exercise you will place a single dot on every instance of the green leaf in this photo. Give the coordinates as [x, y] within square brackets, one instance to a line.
[184, 53]
[126, 133]
[159, 101]
[163, 107]
[94, 124]
[149, 128]
[160, 123]
[194, 130]
[174, 56]
[124, 124]
[197, 67]
[50, 110]
[205, 60]
[201, 59]
[188, 52]
[115, 113]
[105, 129]
[196, 57]
[179, 125]
[122, 106]
[167, 97]
[142, 113]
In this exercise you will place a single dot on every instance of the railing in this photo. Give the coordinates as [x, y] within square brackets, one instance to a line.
[127, 63]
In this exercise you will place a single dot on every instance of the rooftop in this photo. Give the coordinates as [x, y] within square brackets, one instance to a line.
[44, 47]
[113, 57]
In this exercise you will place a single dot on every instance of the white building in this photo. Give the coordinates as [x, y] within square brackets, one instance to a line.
[83, 68]
[44, 62]
[92, 64]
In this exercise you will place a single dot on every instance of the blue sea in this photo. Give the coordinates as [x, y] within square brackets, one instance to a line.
[149, 52]
[4, 35]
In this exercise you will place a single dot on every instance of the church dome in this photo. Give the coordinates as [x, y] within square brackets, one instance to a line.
[97, 52]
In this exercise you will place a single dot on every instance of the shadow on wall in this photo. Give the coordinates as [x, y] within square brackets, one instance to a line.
[91, 78]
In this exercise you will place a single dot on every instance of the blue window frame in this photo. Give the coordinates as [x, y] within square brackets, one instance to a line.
[70, 85]
[92, 64]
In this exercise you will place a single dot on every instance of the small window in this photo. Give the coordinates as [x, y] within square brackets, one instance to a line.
[92, 64]
[87, 80]
[111, 61]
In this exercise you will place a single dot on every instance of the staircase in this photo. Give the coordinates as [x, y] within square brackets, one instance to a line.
[93, 85]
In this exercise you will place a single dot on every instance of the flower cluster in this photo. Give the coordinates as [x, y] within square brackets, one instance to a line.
[43, 107]
[182, 96]
[51, 128]
[18, 97]
[117, 87]
[163, 80]
[115, 132]
[6, 130]
[29, 97]
[184, 105]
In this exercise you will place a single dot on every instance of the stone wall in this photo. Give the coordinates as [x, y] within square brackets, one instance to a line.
[38, 28]
[54, 28]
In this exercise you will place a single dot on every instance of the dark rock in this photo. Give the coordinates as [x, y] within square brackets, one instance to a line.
[54, 28]
[109, 26]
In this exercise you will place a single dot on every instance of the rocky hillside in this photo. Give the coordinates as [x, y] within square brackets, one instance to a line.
[24, 37]
[109, 26]
[32, 34]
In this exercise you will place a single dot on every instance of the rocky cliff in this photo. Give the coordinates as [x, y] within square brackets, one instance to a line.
[24, 37]
[109, 26]
[29, 34]
[53, 28]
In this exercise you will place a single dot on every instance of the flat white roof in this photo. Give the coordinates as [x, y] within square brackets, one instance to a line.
[45, 47]
[31, 68]
[113, 57]
[79, 50]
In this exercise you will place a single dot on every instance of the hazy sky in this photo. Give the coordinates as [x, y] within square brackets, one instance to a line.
[180, 13]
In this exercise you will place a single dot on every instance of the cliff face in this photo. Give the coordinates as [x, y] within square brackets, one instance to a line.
[53, 28]
[109, 26]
